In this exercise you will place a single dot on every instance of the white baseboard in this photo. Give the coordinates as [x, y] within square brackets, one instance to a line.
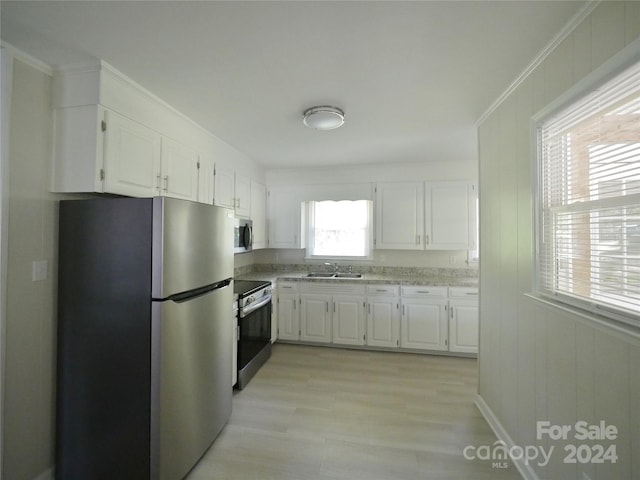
[46, 475]
[525, 470]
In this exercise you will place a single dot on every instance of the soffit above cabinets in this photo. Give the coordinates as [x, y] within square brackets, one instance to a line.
[412, 77]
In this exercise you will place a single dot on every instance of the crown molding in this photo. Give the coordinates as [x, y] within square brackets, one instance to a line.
[583, 13]
[24, 57]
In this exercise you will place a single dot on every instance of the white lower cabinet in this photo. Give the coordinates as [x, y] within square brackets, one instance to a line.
[424, 324]
[332, 313]
[383, 315]
[349, 320]
[388, 316]
[315, 318]
[463, 320]
[288, 306]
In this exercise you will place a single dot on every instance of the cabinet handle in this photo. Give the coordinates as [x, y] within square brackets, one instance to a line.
[369, 308]
[451, 312]
[403, 310]
[158, 181]
[417, 239]
[327, 306]
[471, 293]
[423, 291]
[166, 183]
[334, 308]
[426, 239]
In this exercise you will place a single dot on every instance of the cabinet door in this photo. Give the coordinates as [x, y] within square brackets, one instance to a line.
[424, 325]
[382, 322]
[131, 157]
[400, 215]
[288, 316]
[449, 215]
[284, 219]
[224, 184]
[259, 215]
[206, 180]
[463, 328]
[242, 195]
[315, 318]
[349, 320]
[179, 171]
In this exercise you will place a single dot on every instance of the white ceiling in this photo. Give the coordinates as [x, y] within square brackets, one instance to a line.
[412, 77]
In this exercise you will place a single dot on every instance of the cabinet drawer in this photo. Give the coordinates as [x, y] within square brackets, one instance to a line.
[383, 290]
[331, 288]
[463, 292]
[424, 291]
[288, 287]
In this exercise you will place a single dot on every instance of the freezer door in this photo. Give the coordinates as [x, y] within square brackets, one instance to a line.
[191, 380]
[192, 245]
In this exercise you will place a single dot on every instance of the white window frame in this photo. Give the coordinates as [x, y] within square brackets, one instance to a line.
[309, 205]
[608, 71]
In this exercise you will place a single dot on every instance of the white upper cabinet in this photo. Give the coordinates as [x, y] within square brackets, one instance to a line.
[132, 157]
[224, 188]
[179, 170]
[206, 180]
[242, 196]
[399, 215]
[419, 216]
[233, 190]
[449, 215]
[285, 214]
[113, 136]
[259, 215]
[139, 162]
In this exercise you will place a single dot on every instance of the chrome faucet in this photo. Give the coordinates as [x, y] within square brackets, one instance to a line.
[335, 266]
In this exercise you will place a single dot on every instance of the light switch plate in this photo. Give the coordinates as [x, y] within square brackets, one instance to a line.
[39, 270]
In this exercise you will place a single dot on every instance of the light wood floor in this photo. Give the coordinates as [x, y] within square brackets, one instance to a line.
[316, 413]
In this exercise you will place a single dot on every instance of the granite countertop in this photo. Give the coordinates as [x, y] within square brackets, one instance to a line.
[367, 278]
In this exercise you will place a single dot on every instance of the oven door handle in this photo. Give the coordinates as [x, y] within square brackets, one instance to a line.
[255, 306]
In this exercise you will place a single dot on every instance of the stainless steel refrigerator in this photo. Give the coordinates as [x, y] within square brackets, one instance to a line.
[144, 336]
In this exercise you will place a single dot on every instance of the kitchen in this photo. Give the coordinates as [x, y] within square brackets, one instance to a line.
[515, 398]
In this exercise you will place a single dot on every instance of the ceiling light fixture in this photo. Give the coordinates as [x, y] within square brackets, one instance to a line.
[323, 117]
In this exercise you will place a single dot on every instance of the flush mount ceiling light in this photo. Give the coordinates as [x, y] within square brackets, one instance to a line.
[323, 117]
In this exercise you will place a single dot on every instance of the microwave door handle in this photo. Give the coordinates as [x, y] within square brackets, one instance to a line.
[248, 236]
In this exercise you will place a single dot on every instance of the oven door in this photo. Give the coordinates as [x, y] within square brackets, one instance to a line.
[255, 331]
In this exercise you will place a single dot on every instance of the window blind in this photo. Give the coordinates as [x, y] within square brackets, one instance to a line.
[589, 200]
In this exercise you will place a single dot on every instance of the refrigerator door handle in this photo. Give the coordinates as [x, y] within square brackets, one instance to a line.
[196, 292]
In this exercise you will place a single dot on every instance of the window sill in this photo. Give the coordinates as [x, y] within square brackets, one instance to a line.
[605, 324]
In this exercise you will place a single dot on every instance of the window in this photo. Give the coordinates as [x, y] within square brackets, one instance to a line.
[589, 200]
[340, 229]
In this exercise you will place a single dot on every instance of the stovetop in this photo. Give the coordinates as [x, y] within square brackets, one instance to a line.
[246, 287]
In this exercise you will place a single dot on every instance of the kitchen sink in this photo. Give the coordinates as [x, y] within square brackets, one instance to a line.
[333, 275]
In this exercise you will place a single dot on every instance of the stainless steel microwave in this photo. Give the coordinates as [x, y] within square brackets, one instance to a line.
[242, 235]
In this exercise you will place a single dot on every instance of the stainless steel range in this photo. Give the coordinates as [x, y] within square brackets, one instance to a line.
[254, 320]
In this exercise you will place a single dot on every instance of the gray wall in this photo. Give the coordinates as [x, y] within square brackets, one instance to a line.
[538, 363]
[30, 320]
